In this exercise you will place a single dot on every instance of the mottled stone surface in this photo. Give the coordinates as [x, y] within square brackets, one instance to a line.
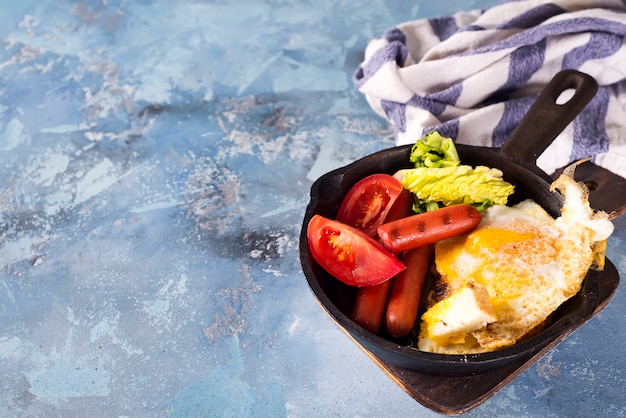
[156, 162]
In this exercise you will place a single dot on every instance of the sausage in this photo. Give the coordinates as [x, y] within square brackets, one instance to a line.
[369, 306]
[429, 227]
[406, 291]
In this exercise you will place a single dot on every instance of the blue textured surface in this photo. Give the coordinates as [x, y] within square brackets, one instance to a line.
[156, 162]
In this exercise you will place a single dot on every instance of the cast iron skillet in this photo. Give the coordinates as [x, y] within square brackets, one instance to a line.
[517, 160]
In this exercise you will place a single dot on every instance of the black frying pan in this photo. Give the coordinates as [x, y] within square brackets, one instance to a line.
[517, 160]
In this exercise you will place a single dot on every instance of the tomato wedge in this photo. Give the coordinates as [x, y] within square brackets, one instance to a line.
[348, 254]
[402, 207]
[367, 203]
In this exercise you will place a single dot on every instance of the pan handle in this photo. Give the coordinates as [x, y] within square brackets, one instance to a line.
[546, 118]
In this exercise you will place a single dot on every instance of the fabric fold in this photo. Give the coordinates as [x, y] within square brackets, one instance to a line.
[473, 75]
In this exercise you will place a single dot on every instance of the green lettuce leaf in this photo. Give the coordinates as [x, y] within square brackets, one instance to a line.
[434, 150]
[480, 186]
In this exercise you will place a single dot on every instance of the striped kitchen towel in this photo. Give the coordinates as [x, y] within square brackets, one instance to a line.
[473, 75]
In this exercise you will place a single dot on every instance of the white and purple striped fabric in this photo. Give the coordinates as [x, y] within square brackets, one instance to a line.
[472, 76]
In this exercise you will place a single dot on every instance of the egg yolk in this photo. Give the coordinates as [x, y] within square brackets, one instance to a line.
[502, 259]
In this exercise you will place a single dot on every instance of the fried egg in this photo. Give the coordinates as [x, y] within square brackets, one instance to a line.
[527, 262]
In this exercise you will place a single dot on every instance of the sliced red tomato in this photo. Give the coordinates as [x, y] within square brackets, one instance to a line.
[366, 205]
[350, 255]
[402, 207]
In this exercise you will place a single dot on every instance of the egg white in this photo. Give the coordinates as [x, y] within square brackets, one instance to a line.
[529, 263]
